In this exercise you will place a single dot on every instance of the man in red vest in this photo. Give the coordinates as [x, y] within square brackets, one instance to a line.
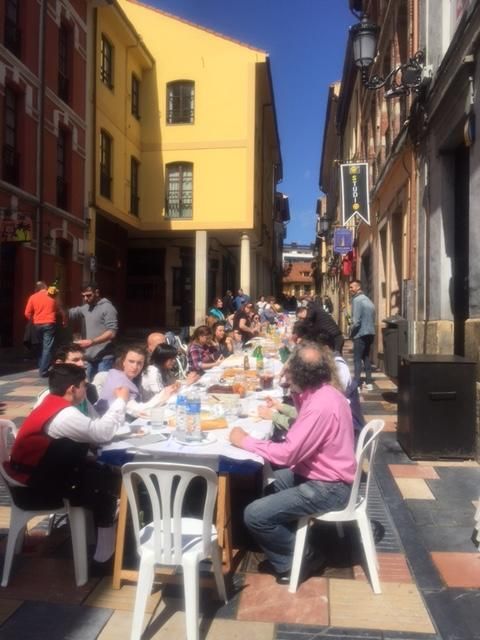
[50, 453]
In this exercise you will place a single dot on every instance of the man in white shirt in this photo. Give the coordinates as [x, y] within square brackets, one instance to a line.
[50, 454]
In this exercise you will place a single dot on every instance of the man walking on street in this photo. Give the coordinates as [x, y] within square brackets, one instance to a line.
[41, 311]
[362, 333]
[101, 326]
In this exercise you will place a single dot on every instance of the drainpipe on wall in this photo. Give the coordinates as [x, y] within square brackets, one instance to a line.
[40, 141]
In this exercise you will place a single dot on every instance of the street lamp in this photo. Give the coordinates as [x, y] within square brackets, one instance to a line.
[401, 80]
[323, 226]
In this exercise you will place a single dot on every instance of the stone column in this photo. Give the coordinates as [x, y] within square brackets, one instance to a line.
[245, 263]
[201, 257]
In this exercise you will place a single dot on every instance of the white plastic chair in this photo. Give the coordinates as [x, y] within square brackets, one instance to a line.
[19, 518]
[476, 526]
[99, 380]
[171, 539]
[355, 511]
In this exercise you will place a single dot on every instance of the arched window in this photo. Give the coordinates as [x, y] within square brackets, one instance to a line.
[180, 102]
[179, 194]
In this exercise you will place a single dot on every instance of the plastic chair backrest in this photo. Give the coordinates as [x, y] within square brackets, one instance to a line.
[6, 427]
[367, 443]
[166, 484]
[99, 380]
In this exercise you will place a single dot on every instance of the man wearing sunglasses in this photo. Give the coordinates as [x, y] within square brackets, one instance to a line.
[100, 326]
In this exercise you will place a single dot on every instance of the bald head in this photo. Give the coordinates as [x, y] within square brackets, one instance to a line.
[154, 339]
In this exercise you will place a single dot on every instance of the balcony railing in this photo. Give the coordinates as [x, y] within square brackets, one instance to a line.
[178, 208]
[105, 183]
[63, 87]
[13, 38]
[10, 164]
[62, 193]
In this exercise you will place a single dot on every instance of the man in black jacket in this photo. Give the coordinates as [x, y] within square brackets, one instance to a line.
[319, 321]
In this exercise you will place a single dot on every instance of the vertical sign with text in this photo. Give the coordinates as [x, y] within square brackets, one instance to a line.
[354, 185]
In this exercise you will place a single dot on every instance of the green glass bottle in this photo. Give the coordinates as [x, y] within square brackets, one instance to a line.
[259, 359]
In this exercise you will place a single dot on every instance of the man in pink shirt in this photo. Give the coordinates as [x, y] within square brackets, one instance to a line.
[317, 455]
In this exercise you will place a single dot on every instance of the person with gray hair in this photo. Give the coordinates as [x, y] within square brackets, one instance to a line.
[317, 461]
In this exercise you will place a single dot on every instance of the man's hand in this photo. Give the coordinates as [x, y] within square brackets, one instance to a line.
[271, 403]
[84, 343]
[237, 434]
[265, 412]
[122, 392]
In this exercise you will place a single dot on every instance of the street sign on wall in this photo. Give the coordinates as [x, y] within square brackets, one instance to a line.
[342, 241]
[354, 186]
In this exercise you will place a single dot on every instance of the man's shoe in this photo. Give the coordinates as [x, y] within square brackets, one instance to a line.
[367, 387]
[265, 566]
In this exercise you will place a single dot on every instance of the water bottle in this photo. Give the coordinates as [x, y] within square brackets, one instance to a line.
[180, 415]
[193, 427]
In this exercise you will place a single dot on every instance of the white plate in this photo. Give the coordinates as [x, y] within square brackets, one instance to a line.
[126, 432]
[206, 439]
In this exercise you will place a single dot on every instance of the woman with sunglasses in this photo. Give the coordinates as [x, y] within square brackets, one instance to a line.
[242, 321]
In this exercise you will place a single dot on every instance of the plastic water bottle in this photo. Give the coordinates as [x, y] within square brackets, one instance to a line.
[194, 430]
[180, 415]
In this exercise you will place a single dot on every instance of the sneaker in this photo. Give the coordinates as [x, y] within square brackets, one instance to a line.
[367, 387]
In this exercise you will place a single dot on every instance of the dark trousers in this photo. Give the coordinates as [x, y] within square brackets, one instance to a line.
[46, 337]
[361, 354]
[65, 471]
[338, 343]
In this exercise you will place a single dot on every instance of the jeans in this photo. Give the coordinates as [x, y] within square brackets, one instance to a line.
[104, 364]
[272, 520]
[46, 337]
[361, 353]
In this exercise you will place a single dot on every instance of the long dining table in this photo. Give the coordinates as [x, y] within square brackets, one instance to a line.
[214, 451]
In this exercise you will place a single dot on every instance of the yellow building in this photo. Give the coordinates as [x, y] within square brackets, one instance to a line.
[187, 159]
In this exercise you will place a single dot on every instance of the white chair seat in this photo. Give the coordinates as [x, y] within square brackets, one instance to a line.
[191, 537]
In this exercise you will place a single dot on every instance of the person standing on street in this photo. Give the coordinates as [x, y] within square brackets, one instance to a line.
[101, 326]
[240, 299]
[362, 333]
[41, 311]
[228, 303]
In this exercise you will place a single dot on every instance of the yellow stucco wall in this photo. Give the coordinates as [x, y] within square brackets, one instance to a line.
[113, 111]
[221, 141]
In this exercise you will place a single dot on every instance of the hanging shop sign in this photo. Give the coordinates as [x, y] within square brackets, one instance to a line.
[15, 227]
[342, 240]
[354, 183]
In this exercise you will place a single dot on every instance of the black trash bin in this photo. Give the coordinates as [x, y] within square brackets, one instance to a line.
[395, 344]
[436, 406]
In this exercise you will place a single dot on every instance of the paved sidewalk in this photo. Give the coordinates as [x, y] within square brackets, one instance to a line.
[429, 568]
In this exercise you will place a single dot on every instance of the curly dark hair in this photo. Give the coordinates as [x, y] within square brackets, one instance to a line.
[311, 366]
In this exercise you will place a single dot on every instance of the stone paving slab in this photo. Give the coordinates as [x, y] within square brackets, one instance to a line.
[41, 621]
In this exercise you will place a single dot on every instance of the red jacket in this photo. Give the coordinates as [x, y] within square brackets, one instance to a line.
[32, 442]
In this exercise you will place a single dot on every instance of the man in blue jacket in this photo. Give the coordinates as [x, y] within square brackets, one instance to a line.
[362, 333]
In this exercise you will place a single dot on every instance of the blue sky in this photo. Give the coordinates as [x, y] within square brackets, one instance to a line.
[306, 41]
